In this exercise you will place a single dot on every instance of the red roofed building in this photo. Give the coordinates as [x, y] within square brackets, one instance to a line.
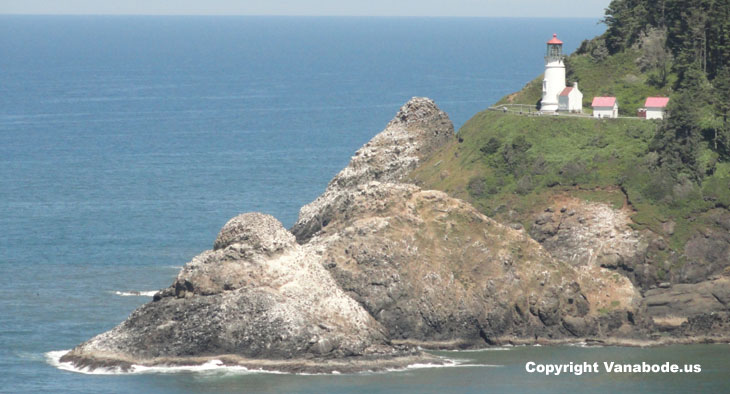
[605, 107]
[656, 107]
[570, 99]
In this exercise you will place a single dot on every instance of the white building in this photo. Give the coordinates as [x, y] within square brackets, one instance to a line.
[571, 99]
[655, 107]
[554, 80]
[605, 107]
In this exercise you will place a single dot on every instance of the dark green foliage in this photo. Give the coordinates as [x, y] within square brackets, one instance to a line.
[697, 30]
[625, 19]
[655, 58]
[574, 172]
[678, 140]
[595, 48]
[691, 40]
[515, 160]
[492, 146]
[721, 98]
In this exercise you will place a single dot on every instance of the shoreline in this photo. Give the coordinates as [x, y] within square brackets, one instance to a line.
[360, 364]
[90, 364]
[515, 341]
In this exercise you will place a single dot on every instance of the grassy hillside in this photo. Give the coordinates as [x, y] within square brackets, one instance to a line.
[509, 162]
[511, 166]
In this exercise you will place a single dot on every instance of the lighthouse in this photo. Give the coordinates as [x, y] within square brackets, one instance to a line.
[554, 81]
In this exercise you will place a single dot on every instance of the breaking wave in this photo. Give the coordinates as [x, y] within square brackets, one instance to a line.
[150, 293]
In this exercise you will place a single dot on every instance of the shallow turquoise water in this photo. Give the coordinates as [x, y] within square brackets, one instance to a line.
[127, 142]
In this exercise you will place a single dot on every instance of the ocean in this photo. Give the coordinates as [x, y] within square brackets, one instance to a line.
[127, 142]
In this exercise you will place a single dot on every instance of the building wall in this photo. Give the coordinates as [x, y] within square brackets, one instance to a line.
[655, 113]
[605, 112]
[573, 102]
[576, 101]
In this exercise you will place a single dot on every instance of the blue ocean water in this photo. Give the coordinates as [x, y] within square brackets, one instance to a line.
[127, 142]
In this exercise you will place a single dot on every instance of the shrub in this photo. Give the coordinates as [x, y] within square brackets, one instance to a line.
[492, 146]
[574, 172]
[524, 185]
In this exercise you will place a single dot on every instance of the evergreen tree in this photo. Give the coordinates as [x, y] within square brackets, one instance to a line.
[721, 98]
[677, 141]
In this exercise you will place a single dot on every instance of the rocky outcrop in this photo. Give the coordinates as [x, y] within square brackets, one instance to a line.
[707, 252]
[257, 295]
[692, 301]
[680, 307]
[596, 234]
[418, 129]
[436, 272]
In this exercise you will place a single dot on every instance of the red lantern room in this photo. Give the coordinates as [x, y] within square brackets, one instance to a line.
[555, 48]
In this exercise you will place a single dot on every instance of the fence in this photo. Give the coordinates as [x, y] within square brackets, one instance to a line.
[531, 110]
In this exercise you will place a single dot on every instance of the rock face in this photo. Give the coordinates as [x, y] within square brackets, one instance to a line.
[695, 302]
[418, 129]
[436, 272]
[594, 234]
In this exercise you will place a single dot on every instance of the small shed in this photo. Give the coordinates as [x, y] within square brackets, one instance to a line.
[605, 107]
[570, 99]
[656, 107]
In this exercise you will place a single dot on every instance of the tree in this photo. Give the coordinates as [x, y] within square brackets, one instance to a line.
[625, 19]
[721, 98]
[677, 141]
[654, 53]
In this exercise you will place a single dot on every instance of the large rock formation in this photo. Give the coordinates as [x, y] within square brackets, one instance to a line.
[372, 267]
[436, 272]
[418, 129]
[258, 299]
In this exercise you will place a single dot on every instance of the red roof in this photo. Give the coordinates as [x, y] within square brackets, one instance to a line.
[566, 91]
[555, 40]
[656, 102]
[603, 101]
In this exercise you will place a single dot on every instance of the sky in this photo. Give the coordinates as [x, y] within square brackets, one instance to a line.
[476, 8]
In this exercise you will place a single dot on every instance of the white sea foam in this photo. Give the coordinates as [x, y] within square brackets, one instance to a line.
[450, 363]
[143, 293]
[583, 344]
[54, 358]
[486, 349]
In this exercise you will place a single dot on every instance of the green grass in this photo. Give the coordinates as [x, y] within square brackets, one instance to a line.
[511, 166]
[563, 154]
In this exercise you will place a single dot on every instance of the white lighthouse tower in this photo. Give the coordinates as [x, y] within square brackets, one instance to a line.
[554, 81]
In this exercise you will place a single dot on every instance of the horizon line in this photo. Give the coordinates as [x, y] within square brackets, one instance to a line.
[311, 15]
